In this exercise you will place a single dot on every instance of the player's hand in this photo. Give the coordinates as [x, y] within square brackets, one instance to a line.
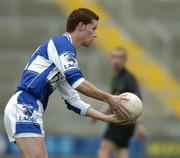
[114, 119]
[111, 119]
[93, 113]
[116, 103]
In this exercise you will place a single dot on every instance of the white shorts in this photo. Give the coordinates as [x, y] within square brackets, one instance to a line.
[23, 116]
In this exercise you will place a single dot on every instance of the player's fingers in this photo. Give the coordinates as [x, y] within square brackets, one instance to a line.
[122, 121]
[120, 114]
[124, 98]
[126, 122]
[127, 111]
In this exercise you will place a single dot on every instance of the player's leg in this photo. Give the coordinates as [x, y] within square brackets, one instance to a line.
[33, 147]
[122, 153]
[106, 149]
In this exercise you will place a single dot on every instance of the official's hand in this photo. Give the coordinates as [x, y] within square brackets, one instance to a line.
[140, 131]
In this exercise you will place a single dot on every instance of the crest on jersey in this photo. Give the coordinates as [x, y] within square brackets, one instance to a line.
[68, 61]
[28, 110]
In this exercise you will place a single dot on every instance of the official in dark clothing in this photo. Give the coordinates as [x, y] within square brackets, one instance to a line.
[124, 81]
[116, 137]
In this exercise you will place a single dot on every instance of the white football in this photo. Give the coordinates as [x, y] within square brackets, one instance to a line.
[134, 105]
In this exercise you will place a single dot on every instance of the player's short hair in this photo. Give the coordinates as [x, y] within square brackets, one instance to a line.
[83, 15]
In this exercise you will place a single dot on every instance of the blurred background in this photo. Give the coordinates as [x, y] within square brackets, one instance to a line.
[148, 29]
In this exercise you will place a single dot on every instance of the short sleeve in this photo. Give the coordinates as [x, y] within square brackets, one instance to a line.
[65, 61]
[70, 69]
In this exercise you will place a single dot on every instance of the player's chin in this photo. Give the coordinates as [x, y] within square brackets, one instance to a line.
[86, 44]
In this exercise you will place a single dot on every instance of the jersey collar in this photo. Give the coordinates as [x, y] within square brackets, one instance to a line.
[68, 37]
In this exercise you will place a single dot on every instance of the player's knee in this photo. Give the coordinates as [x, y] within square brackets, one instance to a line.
[102, 153]
[32, 147]
[99, 154]
[37, 154]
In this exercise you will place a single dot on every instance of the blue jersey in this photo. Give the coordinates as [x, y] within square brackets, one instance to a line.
[53, 60]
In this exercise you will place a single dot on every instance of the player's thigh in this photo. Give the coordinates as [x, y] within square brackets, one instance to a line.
[107, 148]
[122, 153]
[32, 147]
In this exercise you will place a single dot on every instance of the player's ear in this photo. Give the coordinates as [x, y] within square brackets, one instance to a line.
[81, 26]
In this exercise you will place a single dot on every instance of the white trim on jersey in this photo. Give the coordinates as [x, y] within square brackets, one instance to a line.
[39, 64]
[53, 55]
[68, 36]
[78, 82]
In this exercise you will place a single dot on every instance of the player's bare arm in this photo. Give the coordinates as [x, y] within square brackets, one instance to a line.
[103, 117]
[105, 109]
[90, 90]
[75, 104]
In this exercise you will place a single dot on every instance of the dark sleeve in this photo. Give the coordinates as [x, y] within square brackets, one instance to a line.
[133, 85]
